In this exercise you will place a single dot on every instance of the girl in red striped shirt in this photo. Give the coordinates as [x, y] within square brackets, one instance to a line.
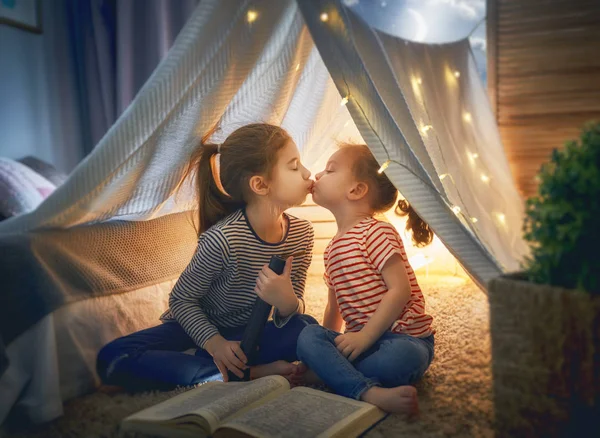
[388, 342]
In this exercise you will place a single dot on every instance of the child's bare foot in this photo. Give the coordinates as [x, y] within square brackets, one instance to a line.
[311, 378]
[398, 400]
[291, 371]
[297, 377]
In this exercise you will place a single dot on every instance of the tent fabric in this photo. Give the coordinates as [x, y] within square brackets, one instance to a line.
[220, 69]
[423, 107]
[63, 364]
[47, 269]
[232, 67]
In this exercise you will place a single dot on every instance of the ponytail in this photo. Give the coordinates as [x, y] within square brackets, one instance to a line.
[421, 233]
[213, 205]
[384, 193]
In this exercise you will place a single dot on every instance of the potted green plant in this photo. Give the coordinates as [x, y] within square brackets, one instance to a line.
[545, 321]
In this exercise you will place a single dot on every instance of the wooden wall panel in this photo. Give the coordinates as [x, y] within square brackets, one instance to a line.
[543, 77]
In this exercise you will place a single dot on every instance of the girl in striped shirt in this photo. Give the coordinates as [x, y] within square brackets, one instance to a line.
[388, 342]
[244, 185]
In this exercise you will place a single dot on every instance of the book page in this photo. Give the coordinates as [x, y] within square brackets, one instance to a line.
[213, 401]
[197, 402]
[302, 412]
[246, 396]
[184, 403]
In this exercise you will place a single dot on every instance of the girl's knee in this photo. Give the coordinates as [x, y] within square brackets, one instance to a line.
[104, 359]
[309, 337]
[391, 376]
[109, 355]
[397, 362]
[313, 332]
[404, 370]
[115, 348]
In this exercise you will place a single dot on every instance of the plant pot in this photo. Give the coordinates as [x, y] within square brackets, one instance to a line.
[545, 359]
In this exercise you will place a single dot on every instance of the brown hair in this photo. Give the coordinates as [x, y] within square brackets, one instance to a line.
[383, 193]
[248, 151]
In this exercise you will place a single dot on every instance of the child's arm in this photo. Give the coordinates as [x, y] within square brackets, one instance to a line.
[391, 306]
[209, 261]
[385, 250]
[393, 302]
[332, 318]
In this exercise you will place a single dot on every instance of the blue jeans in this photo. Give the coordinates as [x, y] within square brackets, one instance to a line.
[154, 359]
[394, 360]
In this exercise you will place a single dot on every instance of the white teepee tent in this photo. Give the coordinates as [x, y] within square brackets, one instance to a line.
[118, 234]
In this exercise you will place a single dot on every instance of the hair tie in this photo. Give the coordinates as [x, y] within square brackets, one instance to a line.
[215, 167]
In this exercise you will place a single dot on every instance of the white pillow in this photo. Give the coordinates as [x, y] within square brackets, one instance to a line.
[21, 189]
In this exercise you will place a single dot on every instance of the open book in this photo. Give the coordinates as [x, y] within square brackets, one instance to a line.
[264, 407]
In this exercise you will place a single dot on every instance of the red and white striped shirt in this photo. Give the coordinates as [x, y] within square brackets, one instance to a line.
[353, 267]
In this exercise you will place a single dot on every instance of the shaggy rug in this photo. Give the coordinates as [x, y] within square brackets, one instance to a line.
[455, 395]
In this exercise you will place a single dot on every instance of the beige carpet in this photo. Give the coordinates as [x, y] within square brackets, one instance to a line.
[454, 395]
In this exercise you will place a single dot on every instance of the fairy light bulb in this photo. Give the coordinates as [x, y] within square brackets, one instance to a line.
[252, 16]
[456, 210]
[501, 217]
[467, 117]
[344, 101]
[457, 74]
[426, 128]
[474, 220]
[443, 175]
[416, 87]
[485, 178]
[383, 167]
[324, 17]
[297, 66]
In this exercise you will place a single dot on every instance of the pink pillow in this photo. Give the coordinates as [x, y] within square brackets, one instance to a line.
[21, 189]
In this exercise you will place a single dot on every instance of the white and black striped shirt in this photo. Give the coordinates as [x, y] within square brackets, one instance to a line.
[217, 287]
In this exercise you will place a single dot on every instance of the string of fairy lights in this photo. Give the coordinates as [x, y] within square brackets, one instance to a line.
[467, 117]
[425, 129]
[417, 84]
[451, 77]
